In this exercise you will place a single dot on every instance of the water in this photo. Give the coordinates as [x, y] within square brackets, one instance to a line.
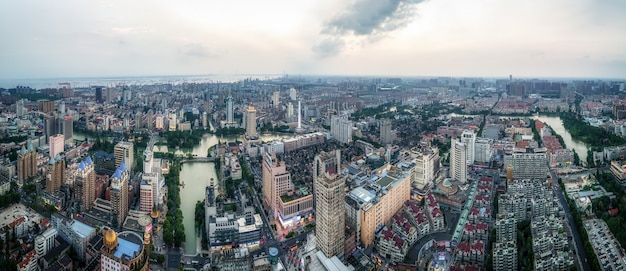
[197, 176]
[557, 125]
[82, 82]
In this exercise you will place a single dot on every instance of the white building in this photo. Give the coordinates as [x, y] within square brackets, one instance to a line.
[341, 129]
[469, 139]
[426, 166]
[482, 150]
[45, 242]
[458, 161]
[56, 145]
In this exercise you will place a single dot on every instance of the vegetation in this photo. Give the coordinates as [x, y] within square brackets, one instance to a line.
[374, 143]
[594, 136]
[11, 197]
[104, 145]
[16, 139]
[525, 253]
[536, 136]
[291, 234]
[309, 227]
[601, 206]
[201, 222]
[182, 139]
[173, 228]
[230, 131]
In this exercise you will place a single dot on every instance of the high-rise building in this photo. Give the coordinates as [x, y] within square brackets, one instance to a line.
[529, 163]
[276, 98]
[341, 129]
[119, 194]
[138, 120]
[251, 122]
[458, 161]
[387, 136]
[426, 166]
[469, 139]
[19, 108]
[99, 96]
[124, 152]
[26, 163]
[86, 183]
[146, 196]
[329, 189]
[276, 180]
[230, 110]
[505, 256]
[68, 129]
[56, 173]
[57, 145]
[46, 106]
[293, 94]
[126, 251]
[482, 150]
[108, 95]
[506, 228]
[290, 111]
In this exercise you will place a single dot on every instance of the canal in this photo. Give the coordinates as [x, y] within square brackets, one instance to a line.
[197, 176]
[557, 125]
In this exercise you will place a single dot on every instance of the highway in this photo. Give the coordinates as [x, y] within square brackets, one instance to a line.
[580, 250]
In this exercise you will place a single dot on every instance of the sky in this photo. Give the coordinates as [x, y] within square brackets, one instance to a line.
[462, 38]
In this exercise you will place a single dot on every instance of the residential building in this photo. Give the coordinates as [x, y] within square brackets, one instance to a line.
[341, 129]
[56, 174]
[57, 144]
[458, 161]
[26, 163]
[529, 163]
[251, 122]
[124, 152]
[468, 137]
[505, 256]
[427, 164]
[119, 194]
[85, 183]
[387, 136]
[45, 241]
[483, 153]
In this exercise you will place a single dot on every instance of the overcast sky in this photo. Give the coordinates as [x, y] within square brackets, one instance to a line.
[526, 38]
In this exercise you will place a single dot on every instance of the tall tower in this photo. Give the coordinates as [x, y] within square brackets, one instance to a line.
[56, 174]
[99, 96]
[469, 139]
[86, 183]
[299, 129]
[57, 144]
[19, 108]
[276, 99]
[289, 111]
[68, 129]
[386, 134]
[230, 110]
[458, 161]
[251, 122]
[119, 194]
[329, 189]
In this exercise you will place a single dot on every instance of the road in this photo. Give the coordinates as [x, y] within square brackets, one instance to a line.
[582, 264]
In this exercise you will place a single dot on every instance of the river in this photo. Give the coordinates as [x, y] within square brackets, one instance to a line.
[557, 125]
[197, 176]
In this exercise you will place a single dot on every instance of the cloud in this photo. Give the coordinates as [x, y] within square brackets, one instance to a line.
[328, 47]
[366, 20]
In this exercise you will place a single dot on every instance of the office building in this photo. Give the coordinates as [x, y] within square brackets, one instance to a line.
[329, 189]
[26, 163]
[56, 174]
[67, 128]
[468, 137]
[46, 106]
[119, 194]
[126, 251]
[19, 108]
[387, 136]
[458, 161]
[99, 95]
[146, 196]
[251, 122]
[293, 94]
[341, 129]
[86, 183]
[529, 163]
[290, 111]
[276, 181]
[57, 145]
[124, 152]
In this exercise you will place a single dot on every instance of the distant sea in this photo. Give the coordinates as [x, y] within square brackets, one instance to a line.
[84, 82]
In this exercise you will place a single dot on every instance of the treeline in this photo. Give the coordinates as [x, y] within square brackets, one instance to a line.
[601, 206]
[594, 136]
[230, 131]
[173, 228]
[182, 139]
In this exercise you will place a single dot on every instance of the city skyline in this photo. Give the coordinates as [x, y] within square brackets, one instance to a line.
[360, 37]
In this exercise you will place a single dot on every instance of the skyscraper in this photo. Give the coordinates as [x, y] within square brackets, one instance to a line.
[329, 189]
[458, 161]
[251, 122]
[293, 94]
[289, 111]
[19, 108]
[99, 96]
[57, 145]
[276, 99]
[68, 129]
[469, 139]
[230, 110]
[276, 180]
[86, 183]
[119, 194]
[56, 173]
[26, 163]
[124, 153]
[529, 163]
[341, 129]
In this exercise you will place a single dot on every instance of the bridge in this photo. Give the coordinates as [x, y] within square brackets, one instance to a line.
[199, 159]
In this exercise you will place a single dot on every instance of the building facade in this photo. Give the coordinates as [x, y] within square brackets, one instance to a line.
[458, 161]
[124, 152]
